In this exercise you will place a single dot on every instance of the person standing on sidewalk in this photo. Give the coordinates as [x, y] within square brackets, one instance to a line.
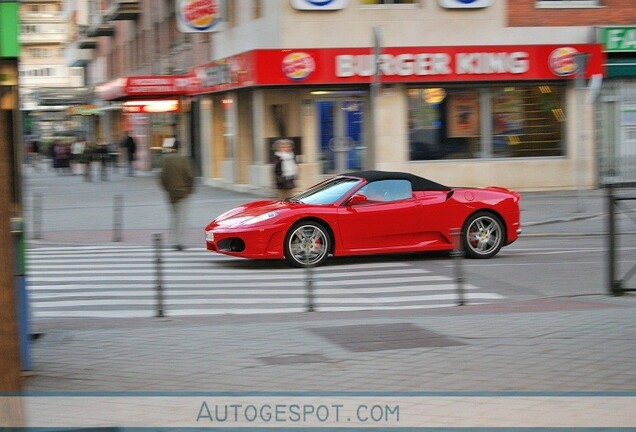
[285, 168]
[131, 149]
[177, 180]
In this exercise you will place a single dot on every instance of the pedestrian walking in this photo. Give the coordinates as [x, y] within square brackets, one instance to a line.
[87, 160]
[285, 167]
[35, 154]
[102, 156]
[177, 180]
[131, 150]
[77, 150]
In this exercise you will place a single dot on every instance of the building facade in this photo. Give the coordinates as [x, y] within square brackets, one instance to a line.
[465, 93]
[48, 83]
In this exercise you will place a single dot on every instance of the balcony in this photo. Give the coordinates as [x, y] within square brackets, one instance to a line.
[123, 10]
[76, 56]
[62, 96]
[42, 38]
[101, 30]
[87, 43]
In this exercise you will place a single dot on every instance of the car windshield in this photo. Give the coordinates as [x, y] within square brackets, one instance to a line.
[327, 192]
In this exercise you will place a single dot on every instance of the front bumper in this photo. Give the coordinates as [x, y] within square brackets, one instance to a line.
[257, 242]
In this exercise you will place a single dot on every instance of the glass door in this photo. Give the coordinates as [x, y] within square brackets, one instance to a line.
[340, 134]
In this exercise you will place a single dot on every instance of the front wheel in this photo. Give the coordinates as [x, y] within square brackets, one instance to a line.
[307, 244]
[483, 235]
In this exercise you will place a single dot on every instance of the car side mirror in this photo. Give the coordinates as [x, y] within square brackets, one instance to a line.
[357, 199]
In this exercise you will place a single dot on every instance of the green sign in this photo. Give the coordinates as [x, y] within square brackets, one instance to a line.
[619, 39]
[9, 46]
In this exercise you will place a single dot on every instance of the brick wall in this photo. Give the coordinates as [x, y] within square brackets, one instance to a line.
[524, 13]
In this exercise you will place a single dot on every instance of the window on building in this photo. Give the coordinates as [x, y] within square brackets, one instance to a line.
[567, 3]
[461, 123]
[156, 52]
[145, 45]
[258, 9]
[230, 12]
[174, 34]
[111, 65]
[41, 52]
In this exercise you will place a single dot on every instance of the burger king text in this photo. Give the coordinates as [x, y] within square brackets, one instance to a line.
[433, 64]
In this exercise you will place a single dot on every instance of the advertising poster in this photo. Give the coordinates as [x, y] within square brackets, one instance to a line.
[508, 113]
[463, 115]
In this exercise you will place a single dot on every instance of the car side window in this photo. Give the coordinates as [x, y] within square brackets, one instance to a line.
[387, 190]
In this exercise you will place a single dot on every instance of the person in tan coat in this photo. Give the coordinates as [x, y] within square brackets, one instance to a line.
[177, 180]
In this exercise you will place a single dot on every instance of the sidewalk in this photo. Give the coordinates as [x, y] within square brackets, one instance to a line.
[542, 345]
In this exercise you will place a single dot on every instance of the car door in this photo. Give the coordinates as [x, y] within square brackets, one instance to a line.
[389, 218]
[439, 215]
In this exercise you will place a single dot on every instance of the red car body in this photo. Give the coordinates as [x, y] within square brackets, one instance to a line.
[428, 217]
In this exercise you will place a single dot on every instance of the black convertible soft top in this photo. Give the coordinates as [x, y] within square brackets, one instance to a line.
[418, 183]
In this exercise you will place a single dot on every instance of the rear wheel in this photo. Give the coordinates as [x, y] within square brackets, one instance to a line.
[483, 235]
[307, 244]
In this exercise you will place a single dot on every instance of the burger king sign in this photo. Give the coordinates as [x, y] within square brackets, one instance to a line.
[298, 65]
[198, 16]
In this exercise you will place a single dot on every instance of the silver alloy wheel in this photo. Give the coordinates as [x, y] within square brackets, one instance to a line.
[483, 236]
[307, 244]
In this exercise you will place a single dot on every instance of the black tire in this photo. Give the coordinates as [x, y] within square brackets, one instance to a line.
[483, 235]
[307, 244]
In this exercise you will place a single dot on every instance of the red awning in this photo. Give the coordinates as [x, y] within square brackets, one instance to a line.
[160, 86]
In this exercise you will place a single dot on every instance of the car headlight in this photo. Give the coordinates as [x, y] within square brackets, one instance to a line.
[261, 218]
[209, 236]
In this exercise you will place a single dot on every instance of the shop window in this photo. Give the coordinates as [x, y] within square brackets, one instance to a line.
[528, 121]
[513, 121]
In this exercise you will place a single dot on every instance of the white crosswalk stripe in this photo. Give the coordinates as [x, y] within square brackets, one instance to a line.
[121, 281]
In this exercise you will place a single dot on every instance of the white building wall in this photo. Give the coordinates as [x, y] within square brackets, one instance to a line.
[425, 24]
[250, 34]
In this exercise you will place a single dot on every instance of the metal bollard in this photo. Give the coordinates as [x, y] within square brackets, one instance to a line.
[458, 254]
[118, 208]
[309, 273]
[37, 216]
[157, 243]
[309, 283]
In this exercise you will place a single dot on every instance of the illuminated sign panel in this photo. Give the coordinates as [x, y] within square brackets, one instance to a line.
[160, 86]
[619, 39]
[150, 106]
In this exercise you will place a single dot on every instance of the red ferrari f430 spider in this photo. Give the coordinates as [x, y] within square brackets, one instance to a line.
[369, 212]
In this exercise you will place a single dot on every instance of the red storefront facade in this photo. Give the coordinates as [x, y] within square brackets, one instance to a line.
[506, 110]
[149, 107]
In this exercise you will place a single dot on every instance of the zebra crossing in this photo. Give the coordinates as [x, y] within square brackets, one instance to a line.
[123, 282]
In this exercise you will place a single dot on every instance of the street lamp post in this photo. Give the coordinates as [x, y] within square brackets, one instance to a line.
[580, 59]
[376, 85]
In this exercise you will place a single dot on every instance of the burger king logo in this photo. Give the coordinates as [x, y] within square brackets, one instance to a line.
[561, 61]
[197, 15]
[298, 66]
